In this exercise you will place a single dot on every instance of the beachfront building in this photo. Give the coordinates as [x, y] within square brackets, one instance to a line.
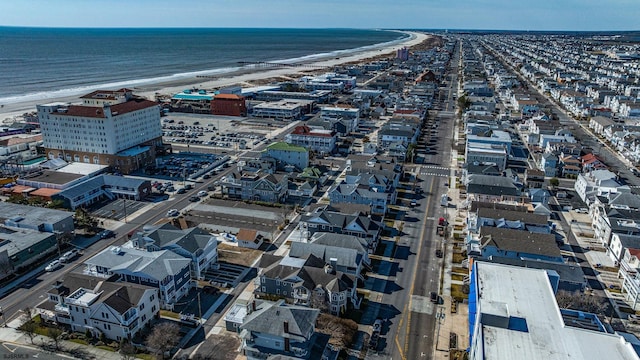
[110, 127]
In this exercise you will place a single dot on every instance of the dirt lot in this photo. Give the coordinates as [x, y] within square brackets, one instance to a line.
[237, 255]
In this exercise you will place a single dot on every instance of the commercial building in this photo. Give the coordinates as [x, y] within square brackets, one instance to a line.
[21, 247]
[283, 110]
[36, 218]
[229, 105]
[318, 140]
[112, 128]
[513, 314]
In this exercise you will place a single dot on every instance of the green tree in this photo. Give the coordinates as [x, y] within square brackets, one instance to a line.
[554, 182]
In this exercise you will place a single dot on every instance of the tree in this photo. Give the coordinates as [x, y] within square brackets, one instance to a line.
[163, 338]
[127, 350]
[55, 334]
[29, 328]
[342, 331]
[578, 301]
[554, 182]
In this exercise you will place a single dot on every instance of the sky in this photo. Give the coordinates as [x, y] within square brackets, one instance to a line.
[579, 15]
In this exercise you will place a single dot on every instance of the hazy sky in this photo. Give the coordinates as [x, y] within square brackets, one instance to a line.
[433, 14]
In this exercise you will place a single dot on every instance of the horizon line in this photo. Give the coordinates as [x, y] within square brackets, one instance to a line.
[307, 28]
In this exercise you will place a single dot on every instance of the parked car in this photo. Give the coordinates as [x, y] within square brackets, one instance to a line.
[439, 253]
[413, 203]
[69, 255]
[181, 191]
[105, 234]
[194, 198]
[202, 193]
[206, 176]
[188, 187]
[54, 265]
[173, 212]
[582, 211]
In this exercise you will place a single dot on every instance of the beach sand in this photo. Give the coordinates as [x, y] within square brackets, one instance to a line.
[11, 112]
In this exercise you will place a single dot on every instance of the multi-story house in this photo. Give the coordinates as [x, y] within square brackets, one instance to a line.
[350, 260]
[325, 220]
[318, 140]
[112, 128]
[194, 243]
[356, 193]
[255, 186]
[597, 183]
[287, 154]
[164, 270]
[115, 309]
[279, 329]
[314, 284]
[348, 116]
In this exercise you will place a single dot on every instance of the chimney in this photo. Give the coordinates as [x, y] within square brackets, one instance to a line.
[333, 262]
[253, 306]
[285, 325]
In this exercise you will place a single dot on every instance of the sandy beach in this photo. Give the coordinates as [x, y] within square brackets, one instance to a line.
[10, 112]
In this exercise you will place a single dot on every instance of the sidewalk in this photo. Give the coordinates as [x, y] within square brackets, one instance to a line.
[10, 334]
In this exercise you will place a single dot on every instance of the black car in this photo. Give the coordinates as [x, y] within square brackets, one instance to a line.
[194, 198]
[439, 253]
[181, 191]
[105, 234]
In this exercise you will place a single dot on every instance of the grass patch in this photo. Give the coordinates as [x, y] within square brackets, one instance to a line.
[171, 314]
[460, 270]
[79, 341]
[457, 293]
[457, 277]
[105, 347]
[458, 257]
[146, 356]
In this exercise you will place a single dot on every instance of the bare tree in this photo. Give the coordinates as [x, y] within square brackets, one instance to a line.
[579, 301]
[29, 328]
[55, 335]
[342, 331]
[163, 338]
[6, 268]
[127, 350]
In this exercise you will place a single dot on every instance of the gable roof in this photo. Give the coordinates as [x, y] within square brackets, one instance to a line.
[270, 318]
[156, 264]
[520, 241]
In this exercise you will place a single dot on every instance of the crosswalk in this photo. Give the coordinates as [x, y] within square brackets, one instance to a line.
[434, 174]
[435, 167]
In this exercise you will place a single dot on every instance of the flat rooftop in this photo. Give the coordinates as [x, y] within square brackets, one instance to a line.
[81, 168]
[524, 298]
[54, 177]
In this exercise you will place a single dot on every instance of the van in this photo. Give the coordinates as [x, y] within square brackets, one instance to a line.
[69, 255]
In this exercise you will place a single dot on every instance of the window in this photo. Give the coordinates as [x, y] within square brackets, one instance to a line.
[141, 306]
[143, 318]
[153, 309]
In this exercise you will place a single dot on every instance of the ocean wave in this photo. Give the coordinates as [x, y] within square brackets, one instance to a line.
[78, 90]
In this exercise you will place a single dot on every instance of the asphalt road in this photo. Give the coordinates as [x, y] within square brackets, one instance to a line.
[16, 352]
[411, 334]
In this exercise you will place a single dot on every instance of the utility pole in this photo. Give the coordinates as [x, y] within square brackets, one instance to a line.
[124, 205]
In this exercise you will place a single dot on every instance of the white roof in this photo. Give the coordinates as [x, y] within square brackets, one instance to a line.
[81, 168]
[516, 292]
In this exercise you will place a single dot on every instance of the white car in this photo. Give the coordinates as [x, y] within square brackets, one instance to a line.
[202, 193]
[582, 211]
[54, 265]
[173, 212]
[69, 255]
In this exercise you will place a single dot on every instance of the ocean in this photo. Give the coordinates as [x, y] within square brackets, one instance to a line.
[41, 63]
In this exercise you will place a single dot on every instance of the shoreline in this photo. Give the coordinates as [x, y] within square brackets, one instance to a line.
[11, 112]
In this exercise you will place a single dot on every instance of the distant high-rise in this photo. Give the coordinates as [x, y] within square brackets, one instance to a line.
[110, 127]
[402, 54]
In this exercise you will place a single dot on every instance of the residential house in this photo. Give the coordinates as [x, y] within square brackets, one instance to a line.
[517, 244]
[279, 329]
[549, 164]
[607, 221]
[492, 189]
[508, 219]
[311, 283]
[596, 183]
[350, 260]
[249, 238]
[113, 309]
[620, 244]
[194, 243]
[327, 220]
[164, 270]
[256, 186]
[629, 269]
[287, 154]
[592, 162]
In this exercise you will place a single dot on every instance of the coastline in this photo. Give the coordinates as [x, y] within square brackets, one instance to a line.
[9, 112]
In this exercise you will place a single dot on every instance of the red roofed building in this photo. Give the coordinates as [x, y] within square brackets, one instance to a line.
[110, 127]
[318, 140]
[592, 162]
[228, 104]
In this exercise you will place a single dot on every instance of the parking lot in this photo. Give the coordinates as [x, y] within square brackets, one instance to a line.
[117, 209]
